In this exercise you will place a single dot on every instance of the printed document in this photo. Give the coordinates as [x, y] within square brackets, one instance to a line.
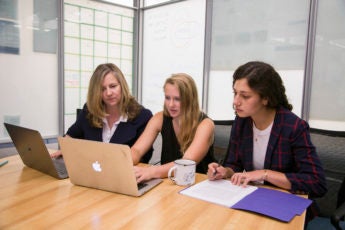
[273, 203]
[221, 192]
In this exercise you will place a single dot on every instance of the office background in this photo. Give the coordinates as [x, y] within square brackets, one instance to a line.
[49, 48]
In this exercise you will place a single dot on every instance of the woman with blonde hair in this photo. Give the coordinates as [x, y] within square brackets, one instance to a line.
[186, 131]
[111, 113]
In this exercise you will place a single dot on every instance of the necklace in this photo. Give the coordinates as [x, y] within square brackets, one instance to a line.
[259, 135]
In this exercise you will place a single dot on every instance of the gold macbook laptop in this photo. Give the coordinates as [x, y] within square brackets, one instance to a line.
[34, 153]
[104, 166]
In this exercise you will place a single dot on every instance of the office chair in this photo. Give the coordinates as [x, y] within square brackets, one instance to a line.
[336, 220]
[221, 138]
[78, 111]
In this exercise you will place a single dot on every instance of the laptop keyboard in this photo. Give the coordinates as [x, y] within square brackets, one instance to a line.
[141, 185]
[60, 166]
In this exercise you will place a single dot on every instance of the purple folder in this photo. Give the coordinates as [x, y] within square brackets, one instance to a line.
[276, 204]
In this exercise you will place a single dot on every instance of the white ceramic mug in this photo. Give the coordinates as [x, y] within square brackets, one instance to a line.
[183, 172]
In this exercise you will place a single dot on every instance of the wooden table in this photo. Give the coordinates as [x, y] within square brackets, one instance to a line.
[32, 200]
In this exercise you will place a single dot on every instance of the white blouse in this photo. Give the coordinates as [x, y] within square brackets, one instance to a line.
[109, 132]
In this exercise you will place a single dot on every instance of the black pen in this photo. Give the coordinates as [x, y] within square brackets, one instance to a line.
[220, 163]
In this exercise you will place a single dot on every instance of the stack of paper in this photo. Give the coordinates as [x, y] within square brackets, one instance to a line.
[279, 205]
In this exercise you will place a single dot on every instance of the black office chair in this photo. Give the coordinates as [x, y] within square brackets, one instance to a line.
[336, 220]
[221, 138]
[78, 111]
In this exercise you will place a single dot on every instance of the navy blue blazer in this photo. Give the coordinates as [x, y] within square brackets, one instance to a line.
[126, 133]
[289, 151]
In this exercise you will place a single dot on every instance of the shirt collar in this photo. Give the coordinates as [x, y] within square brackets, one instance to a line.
[121, 119]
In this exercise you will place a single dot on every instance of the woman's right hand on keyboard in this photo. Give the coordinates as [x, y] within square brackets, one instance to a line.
[56, 154]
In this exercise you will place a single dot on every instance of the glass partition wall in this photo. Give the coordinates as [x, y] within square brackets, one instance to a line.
[274, 31]
[94, 33]
[29, 70]
[327, 106]
[220, 36]
[303, 40]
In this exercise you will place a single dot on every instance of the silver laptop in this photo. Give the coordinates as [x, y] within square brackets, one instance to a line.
[103, 166]
[34, 153]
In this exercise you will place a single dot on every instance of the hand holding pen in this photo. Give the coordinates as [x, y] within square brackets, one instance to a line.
[220, 163]
[216, 171]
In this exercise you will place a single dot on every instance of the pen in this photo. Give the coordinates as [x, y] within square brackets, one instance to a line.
[220, 163]
[3, 163]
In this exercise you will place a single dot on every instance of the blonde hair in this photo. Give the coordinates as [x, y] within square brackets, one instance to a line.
[190, 110]
[128, 105]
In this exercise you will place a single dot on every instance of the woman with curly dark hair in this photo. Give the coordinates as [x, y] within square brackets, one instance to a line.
[268, 143]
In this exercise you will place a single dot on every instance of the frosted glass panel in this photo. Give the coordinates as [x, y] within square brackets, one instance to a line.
[29, 69]
[274, 31]
[106, 35]
[327, 107]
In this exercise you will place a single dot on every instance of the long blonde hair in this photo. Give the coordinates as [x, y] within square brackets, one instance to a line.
[128, 105]
[190, 110]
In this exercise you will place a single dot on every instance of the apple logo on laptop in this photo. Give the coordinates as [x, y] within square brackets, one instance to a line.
[96, 166]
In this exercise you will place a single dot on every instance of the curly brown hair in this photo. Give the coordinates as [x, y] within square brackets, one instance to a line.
[263, 79]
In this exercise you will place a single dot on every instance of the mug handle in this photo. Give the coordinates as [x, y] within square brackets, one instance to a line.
[172, 169]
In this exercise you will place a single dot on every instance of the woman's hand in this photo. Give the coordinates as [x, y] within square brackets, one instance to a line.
[216, 171]
[56, 154]
[144, 173]
[244, 177]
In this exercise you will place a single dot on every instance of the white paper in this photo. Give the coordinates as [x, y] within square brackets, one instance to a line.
[221, 192]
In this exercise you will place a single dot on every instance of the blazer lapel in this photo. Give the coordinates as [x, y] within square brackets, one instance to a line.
[124, 133]
[248, 145]
[274, 136]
